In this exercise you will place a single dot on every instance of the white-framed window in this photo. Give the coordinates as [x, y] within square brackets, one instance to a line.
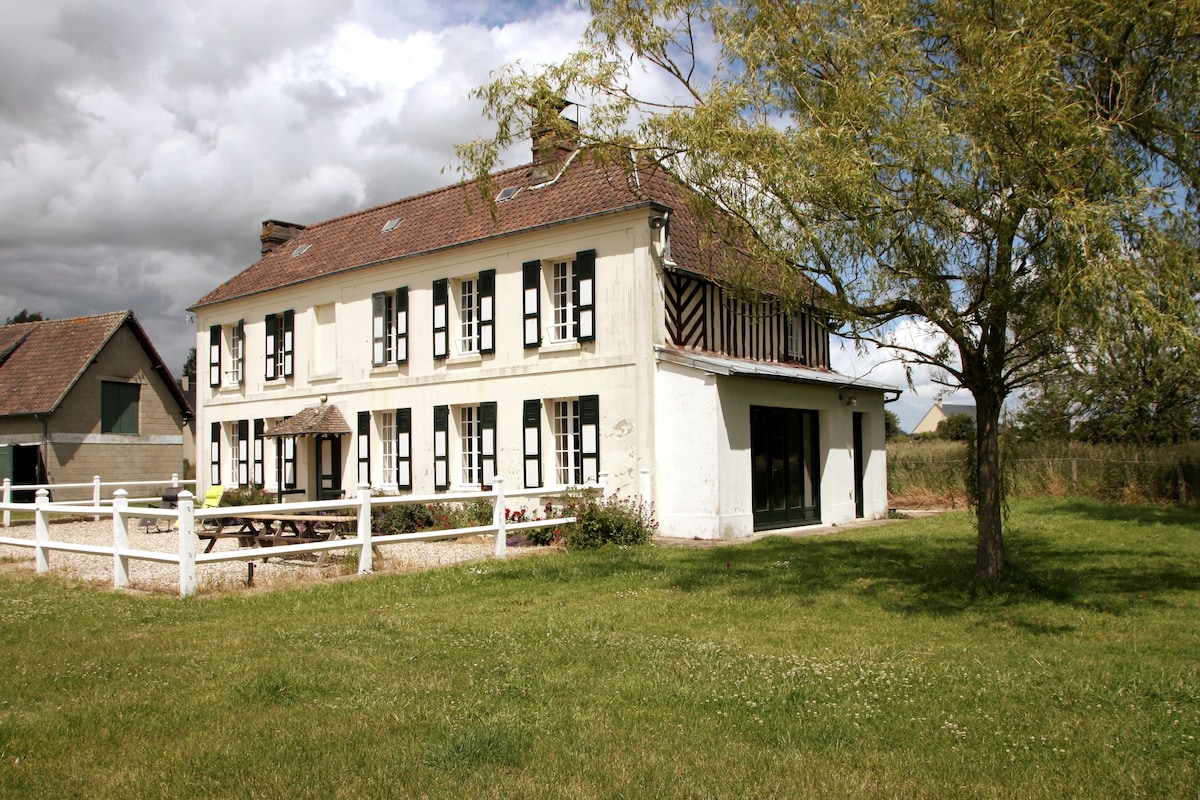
[389, 327]
[468, 316]
[562, 307]
[387, 442]
[575, 423]
[570, 287]
[567, 460]
[469, 446]
[477, 444]
[237, 354]
[280, 344]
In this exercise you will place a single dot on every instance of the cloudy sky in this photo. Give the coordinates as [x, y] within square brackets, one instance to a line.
[143, 144]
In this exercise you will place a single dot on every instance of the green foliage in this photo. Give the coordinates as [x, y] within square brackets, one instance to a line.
[622, 521]
[957, 428]
[24, 315]
[247, 496]
[413, 517]
[987, 170]
[891, 426]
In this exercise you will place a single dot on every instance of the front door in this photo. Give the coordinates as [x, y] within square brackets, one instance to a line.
[785, 463]
[329, 467]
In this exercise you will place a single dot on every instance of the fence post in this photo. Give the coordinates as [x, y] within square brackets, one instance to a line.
[365, 551]
[498, 519]
[96, 495]
[120, 539]
[644, 484]
[174, 480]
[187, 544]
[8, 499]
[41, 531]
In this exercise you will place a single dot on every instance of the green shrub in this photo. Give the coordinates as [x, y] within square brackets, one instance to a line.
[608, 520]
[413, 517]
[247, 496]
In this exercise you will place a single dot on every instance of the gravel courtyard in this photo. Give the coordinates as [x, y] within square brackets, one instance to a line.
[155, 577]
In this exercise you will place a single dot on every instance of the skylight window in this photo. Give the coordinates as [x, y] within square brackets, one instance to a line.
[391, 225]
[507, 194]
[301, 250]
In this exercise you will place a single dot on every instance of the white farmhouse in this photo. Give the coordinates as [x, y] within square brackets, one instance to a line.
[575, 329]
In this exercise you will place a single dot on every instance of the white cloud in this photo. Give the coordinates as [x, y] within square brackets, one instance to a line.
[142, 145]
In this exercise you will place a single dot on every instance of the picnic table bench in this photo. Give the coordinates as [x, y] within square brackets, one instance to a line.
[259, 529]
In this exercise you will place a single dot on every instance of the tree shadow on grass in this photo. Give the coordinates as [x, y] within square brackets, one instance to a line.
[909, 573]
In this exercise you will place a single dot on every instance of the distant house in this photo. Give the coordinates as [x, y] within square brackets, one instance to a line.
[84, 397]
[942, 411]
[581, 329]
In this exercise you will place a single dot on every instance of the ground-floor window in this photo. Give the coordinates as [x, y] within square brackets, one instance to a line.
[785, 459]
[567, 458]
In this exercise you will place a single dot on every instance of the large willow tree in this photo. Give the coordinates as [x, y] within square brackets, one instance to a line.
[987, 168]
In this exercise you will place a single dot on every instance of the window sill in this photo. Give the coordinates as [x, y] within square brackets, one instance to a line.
[323, 378]
[569, 346]
[465, 358]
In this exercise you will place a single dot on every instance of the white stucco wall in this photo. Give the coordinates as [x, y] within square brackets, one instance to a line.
[617, 366]
[704, 487]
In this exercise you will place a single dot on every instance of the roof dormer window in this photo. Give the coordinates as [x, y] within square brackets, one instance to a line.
[391, 225]
[301, 250]
[507, 194]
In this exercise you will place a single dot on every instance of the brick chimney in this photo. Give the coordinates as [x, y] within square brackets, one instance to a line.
[554, 139]
[275, 233]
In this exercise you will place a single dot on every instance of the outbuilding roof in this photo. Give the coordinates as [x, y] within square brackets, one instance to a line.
[41, 361]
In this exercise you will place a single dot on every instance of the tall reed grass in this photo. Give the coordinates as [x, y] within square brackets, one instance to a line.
[924, 474]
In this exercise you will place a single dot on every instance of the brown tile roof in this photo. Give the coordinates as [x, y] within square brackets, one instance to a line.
[41, 361]
[458, 215]
[325, 418]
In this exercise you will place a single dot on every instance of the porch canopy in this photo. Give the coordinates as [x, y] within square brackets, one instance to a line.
[312, 421]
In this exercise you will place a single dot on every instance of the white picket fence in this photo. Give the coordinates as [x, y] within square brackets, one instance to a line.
[189, 517]
[96, 485]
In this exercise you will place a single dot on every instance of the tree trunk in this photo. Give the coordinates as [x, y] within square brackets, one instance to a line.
[989, 557]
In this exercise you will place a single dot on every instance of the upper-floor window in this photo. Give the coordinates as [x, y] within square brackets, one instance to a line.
[466, 307]
[280, 344]
[389, 327]
[807, 340]
[468, 316]
[571, 288]
[119, 407]
[228, 339]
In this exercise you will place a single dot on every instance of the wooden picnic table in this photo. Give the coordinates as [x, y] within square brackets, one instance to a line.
[258, 529]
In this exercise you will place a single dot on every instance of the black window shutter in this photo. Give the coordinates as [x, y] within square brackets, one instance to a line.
[402, 325]
[364, 447]
[214, 454]
[287, 332]
[532, 429]
[487, 442]
[243, 452]
[258, 476]
[441, 448]
[584, 291]
[589, 440]
[214, 355]
[272, 325]
[440, 321]
[379, 328]
[404, 448]
[531, 283]
[487, 311]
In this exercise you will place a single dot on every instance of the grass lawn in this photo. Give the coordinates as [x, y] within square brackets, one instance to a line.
[859, 664]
